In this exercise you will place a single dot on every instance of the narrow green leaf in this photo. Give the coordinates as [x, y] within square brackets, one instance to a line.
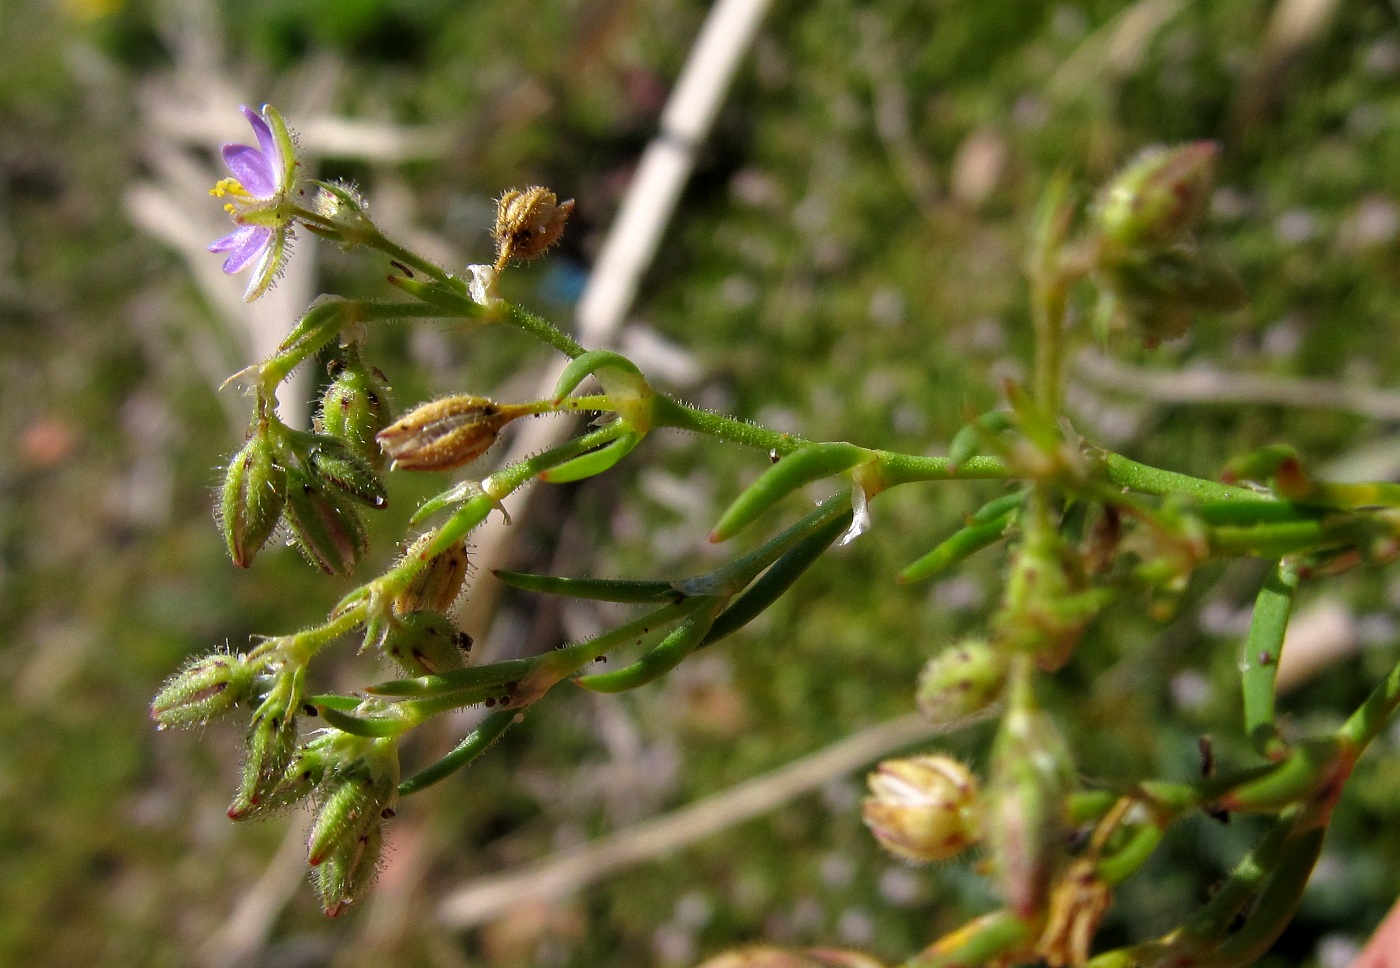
[796, 470]
[478, 741]
[962, 543]
[596, 589]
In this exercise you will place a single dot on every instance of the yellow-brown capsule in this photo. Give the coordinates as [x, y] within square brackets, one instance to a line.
[922, 808]
[437, 586]
[527, 223]
[446, 433]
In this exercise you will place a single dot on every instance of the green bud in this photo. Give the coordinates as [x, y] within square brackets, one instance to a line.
[361, 794]
[1159, 197]
[254, 492]
[355, 407]
[335, 463]
[303, 774]
[960, 682]
[922, 808]
[272, 741]
[205, 688]
[439, 584]
[1026, 823]
[331, 534]
[422, 643]
[349, 870]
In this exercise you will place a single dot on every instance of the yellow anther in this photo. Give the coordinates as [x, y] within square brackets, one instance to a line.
[229, 186]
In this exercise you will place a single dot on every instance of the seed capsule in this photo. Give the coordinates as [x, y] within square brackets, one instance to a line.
[527, 223]
[355, 407]
[336, 464]
[422, 643]
[438, 585]
[447, 433]
[331, 534]
[1159, 197]
[922, 808]
[960, 682]
[254, 493]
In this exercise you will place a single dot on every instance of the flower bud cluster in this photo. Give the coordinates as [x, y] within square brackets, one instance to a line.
[358, 793]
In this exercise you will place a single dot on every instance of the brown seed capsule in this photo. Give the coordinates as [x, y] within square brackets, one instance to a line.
[437, 587]
[446, 433]
[527, 223]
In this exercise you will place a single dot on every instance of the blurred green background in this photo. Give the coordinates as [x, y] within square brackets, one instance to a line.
[845, 261]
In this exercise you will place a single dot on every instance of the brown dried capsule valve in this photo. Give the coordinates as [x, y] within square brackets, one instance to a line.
[527, 223]
[446, 433]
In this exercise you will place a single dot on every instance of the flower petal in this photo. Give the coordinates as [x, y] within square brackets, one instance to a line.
[268, 267]
[244, 244]
[266, 141]
[253, 168]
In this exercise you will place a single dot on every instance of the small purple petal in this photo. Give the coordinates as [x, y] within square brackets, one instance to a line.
[253, 168]
[266, 141]
[245, 243]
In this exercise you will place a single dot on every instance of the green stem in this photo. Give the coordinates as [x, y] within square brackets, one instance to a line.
[543, 330]
[1371, 716]
[672, 413]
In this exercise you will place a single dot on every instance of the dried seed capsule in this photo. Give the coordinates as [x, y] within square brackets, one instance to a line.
[254, 493]
[355, 407]
[922, 808]
[331, 534]
[447, 433]
[961, 681]
[205, 688]
[527, 223]
[438, 585]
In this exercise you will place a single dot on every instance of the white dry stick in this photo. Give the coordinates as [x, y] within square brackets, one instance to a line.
[1216, 386]
[566, 871]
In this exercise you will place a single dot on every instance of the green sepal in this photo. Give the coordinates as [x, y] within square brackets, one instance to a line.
[475, 743]
[355, 406]
[801, 467]
[253, 496]
[286, 146]
[319, 325]
[592, 463]
[671, 652]
[588, 364]
[770, 586]
[336, 463]
[961, 544]
[596, 589]
[331, 534]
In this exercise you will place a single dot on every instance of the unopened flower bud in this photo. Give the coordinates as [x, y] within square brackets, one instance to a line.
[446, 433]
[303, 774]
[333, 462]
[1159, 197]
[360, 793]
[205, 688]
[961, 681]
[254, 492]
[527, 223]
[349, 870]
[438, 584]
[327, 530]
[422, 643]
[342, 205]
[272, 741]
[922, 808]
[355, 407]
